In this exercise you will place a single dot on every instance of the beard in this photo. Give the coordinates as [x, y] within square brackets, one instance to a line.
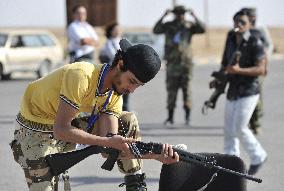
[117, 83]
[123, 92]
[116, 89]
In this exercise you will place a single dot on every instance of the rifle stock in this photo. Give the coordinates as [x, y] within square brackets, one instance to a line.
[60, 162]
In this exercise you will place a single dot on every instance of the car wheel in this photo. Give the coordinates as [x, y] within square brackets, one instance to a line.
[44, 69]
[4, 76]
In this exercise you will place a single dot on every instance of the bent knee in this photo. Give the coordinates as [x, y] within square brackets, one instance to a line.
[128, 125]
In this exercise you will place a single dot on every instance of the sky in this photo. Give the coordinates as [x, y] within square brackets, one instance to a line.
[139, 13]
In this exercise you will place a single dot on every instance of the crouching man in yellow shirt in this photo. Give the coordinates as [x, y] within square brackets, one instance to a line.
[43, 125]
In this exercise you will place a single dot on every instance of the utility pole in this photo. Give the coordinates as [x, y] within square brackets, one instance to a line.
[206, 17]
[174, 3]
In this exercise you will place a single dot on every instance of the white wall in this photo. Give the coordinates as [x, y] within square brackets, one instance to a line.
[136, 13]
[32, 13]
[270, 12]
[144, 13]
[141, 13]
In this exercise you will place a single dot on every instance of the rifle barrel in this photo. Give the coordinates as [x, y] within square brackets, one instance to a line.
[211, 164]
[238, 174]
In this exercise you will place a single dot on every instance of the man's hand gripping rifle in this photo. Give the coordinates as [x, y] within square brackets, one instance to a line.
[60, 162]
[219, 83]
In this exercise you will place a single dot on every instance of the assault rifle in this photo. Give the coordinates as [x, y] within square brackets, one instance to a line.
[60, 162]
[219, 83]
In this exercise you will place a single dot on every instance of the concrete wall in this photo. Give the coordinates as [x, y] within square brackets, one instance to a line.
[137, 13]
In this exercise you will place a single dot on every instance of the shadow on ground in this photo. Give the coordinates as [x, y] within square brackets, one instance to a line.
[83, 180]
[179, 130]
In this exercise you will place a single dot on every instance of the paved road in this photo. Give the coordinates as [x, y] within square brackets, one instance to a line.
[204, 135]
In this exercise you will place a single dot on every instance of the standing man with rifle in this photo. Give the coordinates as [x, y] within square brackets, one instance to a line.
[45, 124]
[243, 92]
[178, 54]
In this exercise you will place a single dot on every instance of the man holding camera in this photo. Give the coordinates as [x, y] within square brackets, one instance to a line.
[178, 54]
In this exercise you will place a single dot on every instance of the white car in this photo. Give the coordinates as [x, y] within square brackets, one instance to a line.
[28, 50]
[155, 41]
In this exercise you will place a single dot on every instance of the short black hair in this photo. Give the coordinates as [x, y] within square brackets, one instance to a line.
[250, 10]
[76, 7]
[119, 56]
[251, 14]
[110, 28]
[140, 59]
[240, 13]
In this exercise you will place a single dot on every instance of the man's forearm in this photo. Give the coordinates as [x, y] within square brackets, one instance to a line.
[75, 135]
[158, 28]
[89, 41]
[200, 27]
[258, 70]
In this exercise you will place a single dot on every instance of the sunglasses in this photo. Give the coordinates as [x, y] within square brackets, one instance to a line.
[240, 21]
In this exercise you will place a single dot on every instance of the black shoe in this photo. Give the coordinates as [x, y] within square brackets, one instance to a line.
[169, 122]
[253, 169]
[187, 116]
[187, 122]
[135, 182]
[170, 119]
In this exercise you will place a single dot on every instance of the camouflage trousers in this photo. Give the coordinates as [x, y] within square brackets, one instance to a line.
[30, 148]
[174, 83]
[254, 123]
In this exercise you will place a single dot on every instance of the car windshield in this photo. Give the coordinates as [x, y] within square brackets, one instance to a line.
[46, 40]
[135, 38]
[3, 39]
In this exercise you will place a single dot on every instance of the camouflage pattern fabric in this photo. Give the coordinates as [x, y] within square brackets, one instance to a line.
[173, 83]
[178, 55]
[30, 147]
[129, 127]
[254, 123]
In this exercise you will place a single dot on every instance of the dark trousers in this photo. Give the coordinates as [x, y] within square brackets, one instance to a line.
[125, 106]
[87, 57]
[174, 83]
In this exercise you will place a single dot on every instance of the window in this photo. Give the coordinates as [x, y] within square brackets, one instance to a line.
[46, 40]
[16, 42]
[31, 41]
[3, 39]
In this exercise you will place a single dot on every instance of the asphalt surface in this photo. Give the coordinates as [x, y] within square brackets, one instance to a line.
[205, 134]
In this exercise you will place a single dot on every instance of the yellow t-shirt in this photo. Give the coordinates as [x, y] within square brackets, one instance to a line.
[76, 84]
